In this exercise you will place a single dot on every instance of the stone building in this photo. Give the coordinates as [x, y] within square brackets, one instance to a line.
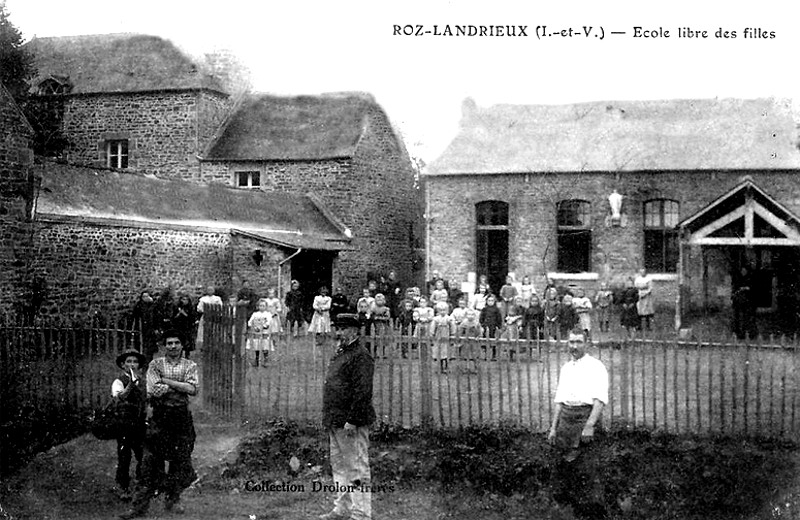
[129, 101]
[103, 236]
[16, 201]
[133, 106]
[706, 186]
[340, 148]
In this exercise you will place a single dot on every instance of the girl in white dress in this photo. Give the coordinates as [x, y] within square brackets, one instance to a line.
[274, 307]
[321, 321]
[259, 338]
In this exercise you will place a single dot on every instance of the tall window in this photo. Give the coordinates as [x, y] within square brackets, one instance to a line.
[117, 153]
[573, 221]
[491, 241]
[248, 179]
[661, 218]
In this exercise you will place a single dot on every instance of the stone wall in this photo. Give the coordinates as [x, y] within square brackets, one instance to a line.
[16, 197]
[372, 193]
[616, 251]
[99, 266]
[166, 131]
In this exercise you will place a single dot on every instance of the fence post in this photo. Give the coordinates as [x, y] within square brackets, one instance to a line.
[426, 389]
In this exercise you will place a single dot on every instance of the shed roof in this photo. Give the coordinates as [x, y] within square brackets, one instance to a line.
[116, 63]
[279, 218]
[620, 136]
[268, 127]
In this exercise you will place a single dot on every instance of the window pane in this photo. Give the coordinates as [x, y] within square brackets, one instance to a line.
[256, 178]
[241, 179]
[654, 250]
[491, 213]
[671, 213]
[574, 251]
[573, 213]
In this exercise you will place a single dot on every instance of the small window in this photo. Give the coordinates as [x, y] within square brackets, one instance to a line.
[117, 153]
[661, 217]
[573, 219]
[248, 179]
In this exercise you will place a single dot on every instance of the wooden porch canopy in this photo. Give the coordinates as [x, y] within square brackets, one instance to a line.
[744, 216]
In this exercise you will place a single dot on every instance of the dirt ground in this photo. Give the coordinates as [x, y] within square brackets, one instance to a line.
[74, 480]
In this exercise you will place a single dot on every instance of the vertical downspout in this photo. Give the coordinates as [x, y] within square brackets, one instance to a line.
[280, 271]
[679, 297]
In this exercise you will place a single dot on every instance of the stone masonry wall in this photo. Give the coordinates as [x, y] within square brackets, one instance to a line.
[373, 194]
[162, 129]
[16, 189]
[617, 252]
[97, 267]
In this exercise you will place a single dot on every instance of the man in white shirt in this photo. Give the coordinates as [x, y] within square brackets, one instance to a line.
[581, 394]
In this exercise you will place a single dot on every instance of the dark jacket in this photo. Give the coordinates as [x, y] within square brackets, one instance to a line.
[491, 319]
[347, 394]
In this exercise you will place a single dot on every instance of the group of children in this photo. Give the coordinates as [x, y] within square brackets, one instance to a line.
[515, 312]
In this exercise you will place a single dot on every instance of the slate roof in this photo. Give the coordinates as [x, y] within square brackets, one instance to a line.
[114, 63]
[279, 218]
[267, 127]
[623, 136]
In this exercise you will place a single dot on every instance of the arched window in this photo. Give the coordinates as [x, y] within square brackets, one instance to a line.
[573, 222]
[491, 241]
[661, 217]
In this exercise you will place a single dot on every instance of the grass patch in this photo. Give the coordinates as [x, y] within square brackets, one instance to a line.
[508, 472]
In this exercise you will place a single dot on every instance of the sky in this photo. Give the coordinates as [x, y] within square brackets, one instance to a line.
[310, 47]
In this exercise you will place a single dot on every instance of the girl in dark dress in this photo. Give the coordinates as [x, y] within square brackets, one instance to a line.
[629, 317]
[184, 320]
[492, 321]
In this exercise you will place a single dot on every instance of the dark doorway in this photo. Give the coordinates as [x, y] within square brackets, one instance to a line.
[775, 285]
[313, 269]
[492, 256]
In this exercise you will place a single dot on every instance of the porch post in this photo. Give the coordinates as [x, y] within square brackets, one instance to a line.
[679, 296]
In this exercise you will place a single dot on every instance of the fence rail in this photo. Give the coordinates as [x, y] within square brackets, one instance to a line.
[665, 384]
[60, 369]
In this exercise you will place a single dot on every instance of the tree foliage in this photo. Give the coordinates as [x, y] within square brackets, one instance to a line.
[16, 64]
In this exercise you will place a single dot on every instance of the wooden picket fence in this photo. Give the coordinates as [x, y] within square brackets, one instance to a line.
[722, 387]
[53, 368]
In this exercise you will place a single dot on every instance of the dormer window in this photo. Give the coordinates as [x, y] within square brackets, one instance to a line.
[54, 86]
[248, 179]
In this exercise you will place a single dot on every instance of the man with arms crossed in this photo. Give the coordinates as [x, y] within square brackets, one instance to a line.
[170, 430]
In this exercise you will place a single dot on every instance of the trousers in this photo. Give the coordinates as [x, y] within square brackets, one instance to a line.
[351, 475]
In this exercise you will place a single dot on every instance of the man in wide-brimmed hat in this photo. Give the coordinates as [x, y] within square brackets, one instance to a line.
[170, 430]
[347, 413]
[130, 392]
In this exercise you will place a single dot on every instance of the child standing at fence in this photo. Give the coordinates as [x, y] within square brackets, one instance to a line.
[295, 321]
[533, 319]
[567, 317]
[321, 321]
[259, 337]
[602, 304]
[460, 311]
[526, 291]
[423, 315]
[492, 321]
[583, 308]
[479, 298]
[442, 328]
[552, 311]
[274, 307]
[513, 319]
